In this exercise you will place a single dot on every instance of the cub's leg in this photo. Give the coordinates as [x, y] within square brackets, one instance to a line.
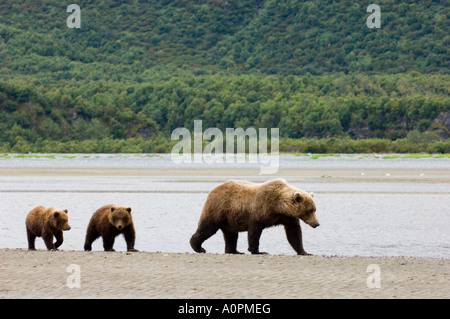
[108, 242]
[48, 240]
[91, 235]
[130, 237]
[31, 239]
[59, 238]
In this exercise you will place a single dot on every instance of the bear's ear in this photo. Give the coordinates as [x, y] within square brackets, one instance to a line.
[112, 209]
[311, 194]
[55, 214]
[297, 197]
[129, 209]
[66, 211]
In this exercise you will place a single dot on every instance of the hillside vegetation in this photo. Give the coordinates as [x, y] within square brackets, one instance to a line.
[136, 70]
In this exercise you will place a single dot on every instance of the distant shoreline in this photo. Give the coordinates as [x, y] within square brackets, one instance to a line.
[347, 175]
[285, 163]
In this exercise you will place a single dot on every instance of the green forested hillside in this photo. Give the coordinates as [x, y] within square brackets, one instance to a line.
[138, 69]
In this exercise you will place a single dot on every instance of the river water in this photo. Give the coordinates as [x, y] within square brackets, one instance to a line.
[385, 216]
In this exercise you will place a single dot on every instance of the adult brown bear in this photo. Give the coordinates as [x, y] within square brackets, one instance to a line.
[237, 206]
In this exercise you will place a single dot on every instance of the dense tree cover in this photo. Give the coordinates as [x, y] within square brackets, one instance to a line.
[294, 37]
[275, 37]
[136, 70]
[358, 106]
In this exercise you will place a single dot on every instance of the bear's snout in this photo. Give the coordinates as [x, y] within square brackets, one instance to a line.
[313, 222]
[67, 227]
[119, 227]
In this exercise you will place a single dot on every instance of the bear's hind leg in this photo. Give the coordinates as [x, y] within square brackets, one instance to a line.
[231, 242]
[91, 235]
[31, 239]
[254, 234]
[204, 231]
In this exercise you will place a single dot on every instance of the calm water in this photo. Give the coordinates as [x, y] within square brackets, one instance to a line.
[364, 218]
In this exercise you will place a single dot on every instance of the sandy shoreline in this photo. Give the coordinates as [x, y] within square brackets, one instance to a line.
[44, 274]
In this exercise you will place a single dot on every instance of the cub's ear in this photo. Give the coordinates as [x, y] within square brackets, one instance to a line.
[66, 211]
[112, 209]
[298, 197]
[129, 209]
[311, 194]
[55, 214]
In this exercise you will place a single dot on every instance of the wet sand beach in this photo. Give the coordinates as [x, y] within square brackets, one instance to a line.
[45, 274]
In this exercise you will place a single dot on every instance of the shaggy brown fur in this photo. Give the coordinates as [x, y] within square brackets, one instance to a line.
[46, 222]
[237, 206]
[109, 221]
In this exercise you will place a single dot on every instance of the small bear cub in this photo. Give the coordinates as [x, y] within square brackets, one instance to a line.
[109, 221]
[46, 222]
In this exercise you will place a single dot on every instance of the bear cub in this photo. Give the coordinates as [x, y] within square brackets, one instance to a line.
[46, 222]
[109, 221]
[238, 206]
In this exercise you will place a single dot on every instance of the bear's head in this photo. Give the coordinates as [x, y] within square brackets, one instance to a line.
[120, 217]
[59, 219]
[305, 208]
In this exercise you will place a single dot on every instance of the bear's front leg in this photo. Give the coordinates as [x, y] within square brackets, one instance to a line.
[130, 237]
[108, 242]
[254, 234]
[48, 240]
[294, 236]
[59, 239]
